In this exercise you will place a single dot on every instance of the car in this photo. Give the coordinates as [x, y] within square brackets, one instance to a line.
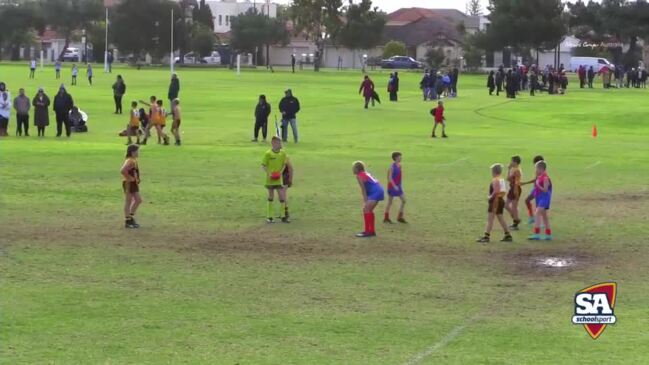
[72, 55]
[401, 62]
[192, 58]
[597, 63]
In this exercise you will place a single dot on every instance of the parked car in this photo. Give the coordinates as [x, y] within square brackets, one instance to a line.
[72, 55]
[596, 62]
[400, 62]
[192, 58]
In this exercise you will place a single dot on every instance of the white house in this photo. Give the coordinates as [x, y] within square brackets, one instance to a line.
[224, 10]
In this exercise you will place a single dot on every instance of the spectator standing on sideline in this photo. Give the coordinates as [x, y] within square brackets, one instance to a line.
[57, 69]
[63, 103]
[591, 77]
[393, 86]
[75, 73]
[500, 79]
[5, 112]
[262, 111]
[110, 59]
[491, 82]
[22, 104]
[174, 88]
[89, 74]
[41, 105]
[32, 68]
[367, 90]
[289, 106]
[293, 62]
[119, 89]
[455, 75]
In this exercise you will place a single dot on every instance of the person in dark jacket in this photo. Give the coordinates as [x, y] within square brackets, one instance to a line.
[491, 82]
[367, 90]
[591, 77]
[119, 89]
[511, 84]
[41, 105]
[534, 82]
[63, 103]
[500, 78]
[289, 106]
[393, 86]
[174, 88]
[262, 111]
[424, 84]
[455, 75]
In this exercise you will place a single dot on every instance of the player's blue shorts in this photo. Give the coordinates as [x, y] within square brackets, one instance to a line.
[395, 192]
[377, 194]
[543, 200]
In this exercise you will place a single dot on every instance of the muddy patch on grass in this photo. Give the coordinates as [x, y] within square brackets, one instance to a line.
[543, 262]
[621, 197]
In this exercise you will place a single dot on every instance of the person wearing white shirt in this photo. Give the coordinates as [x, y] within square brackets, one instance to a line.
[32, 68]
[5, 110]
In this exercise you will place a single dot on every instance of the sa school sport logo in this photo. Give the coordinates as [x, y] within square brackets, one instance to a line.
[594, 308]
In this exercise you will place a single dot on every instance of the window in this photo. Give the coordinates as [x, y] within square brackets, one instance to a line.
[227, 20]
[220, 19]
[601, 61]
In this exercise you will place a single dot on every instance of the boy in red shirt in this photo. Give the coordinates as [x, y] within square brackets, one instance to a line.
[438, 114]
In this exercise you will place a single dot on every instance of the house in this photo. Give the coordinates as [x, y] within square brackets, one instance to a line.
[224, 10]
[421, 29]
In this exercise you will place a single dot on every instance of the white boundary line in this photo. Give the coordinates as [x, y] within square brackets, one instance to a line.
[453, 163]
[593, 165]
[440, 344]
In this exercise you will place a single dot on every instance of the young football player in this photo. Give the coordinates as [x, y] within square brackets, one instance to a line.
[274, 164]
[395, 189]
[497, 191]
[543, 197]
[131, 185]
[287, 176]
[372, 193]
[133, 127]
[153, 114]
[514, 176]
[175, 125]
[438, 115]
[161, 123]
[530, 196]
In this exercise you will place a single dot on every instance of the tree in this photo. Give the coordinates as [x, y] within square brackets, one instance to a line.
[612, 21]
[394, 48]
[139, 35]
[318, 20]
[363, 27]
[252, 30]
[434, 56]
[472, 52]
[203, 15]
[68, 16]
[203, 40]
[531, 24]
[474, 7]
[21, 22]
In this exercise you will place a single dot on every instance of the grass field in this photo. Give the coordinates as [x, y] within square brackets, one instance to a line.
[206, 281]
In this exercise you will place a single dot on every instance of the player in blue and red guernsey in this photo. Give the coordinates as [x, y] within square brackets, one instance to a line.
[543, 196]
[395, 189]
[372, 192]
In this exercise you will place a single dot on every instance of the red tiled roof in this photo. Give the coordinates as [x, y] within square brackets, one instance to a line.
[410, 15]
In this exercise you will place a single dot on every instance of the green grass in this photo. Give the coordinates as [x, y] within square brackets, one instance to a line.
[206, 281]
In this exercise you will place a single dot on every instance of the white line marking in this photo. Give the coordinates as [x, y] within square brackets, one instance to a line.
[593, 165]
[439, 344]
[454, 162]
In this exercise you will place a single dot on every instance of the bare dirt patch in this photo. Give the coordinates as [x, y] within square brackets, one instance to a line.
[547, 262]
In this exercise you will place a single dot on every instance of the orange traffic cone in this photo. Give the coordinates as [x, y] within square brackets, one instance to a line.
[594, 131]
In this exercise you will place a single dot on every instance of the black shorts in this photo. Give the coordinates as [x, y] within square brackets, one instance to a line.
[496, 206]
[514, 193]
[130, 187]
